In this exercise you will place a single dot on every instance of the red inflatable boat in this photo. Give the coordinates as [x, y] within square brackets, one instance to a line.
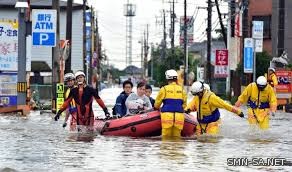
[140, 125]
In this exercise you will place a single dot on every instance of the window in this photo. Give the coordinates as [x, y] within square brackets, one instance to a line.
[267, 25]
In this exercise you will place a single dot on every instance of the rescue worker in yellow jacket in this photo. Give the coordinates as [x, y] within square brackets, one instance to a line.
[206, 103]
[272, 78]
[174, 101]
[260, 98]
[69, 79]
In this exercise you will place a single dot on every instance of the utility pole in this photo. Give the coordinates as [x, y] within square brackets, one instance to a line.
[172, 17]
[209, 28]
[21, 74]
[164, 37]
[69, 35]
[245, 29]
[185, 41]
[142, 64]
[84, 36]
[92, 47]
[56, 56]
[221, 23]
[146, 48]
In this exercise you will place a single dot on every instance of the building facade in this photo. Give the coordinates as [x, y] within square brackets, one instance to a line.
[8, 11]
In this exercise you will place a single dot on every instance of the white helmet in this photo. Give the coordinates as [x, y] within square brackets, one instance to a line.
[262, 81]
[78, 73]
[68, 77]
[171, 74]
[197, 87]
[272, 69]
[206, 87]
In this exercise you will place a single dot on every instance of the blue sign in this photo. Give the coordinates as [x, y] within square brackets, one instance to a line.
[88, 17]
[248, 60]
[44, 27]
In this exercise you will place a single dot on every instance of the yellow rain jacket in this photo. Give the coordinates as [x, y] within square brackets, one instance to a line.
[72, 107]
[174, 100]
[208, 114]
[180, 77]
[272, 79]
[259, 103]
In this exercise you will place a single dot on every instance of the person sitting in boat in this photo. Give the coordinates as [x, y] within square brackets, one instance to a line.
[206, 103]
[69, 80]
[83, 96]
[261, 100]
[174, 99]
[148, 92]
[138, 102]
[120, 108]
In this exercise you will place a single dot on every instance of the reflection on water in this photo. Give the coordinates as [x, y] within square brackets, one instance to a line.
[38, 143]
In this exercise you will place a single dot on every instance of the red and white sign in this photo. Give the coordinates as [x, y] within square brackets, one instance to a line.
[221, 64]
[284, 81]
[221, 57]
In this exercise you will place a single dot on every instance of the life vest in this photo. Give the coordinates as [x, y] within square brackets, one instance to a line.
[72, 105]
[213, 117]
[174, 98]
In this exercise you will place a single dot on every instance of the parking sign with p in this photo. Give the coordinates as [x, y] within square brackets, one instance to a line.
[44, 27]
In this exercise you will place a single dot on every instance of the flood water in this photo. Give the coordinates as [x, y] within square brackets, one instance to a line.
[38, 143]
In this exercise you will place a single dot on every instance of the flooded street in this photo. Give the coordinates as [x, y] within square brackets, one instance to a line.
[38, 143]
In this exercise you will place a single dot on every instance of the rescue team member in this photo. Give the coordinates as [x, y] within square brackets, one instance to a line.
[174, 101]
[206, 103]
[272, 78]
[69, 80]
[83, 96]
[260, 98]
[120, 108]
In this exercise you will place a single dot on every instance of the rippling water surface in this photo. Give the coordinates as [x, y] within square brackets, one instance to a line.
[37, 143]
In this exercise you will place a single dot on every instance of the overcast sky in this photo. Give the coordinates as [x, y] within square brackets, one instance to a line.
[112, 24]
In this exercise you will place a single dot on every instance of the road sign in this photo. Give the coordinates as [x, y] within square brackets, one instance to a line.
[60, 95]
[60, 88]
[248, 55]
[257, 29]
[44, 28]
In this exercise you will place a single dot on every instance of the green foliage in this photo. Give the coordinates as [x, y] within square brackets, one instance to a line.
[172, 60]
[262, 63]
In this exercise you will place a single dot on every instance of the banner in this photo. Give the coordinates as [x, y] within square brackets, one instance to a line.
[8, 45]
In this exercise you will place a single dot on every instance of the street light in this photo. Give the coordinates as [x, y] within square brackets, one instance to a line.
[21, 75]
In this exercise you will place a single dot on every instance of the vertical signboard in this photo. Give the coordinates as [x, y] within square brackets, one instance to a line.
[257, 35]
[60, 95]
[190, 30]
[248, 55]
[44, 27]
[221, 64]
[88, 37]
[8, 45]
[200, 74]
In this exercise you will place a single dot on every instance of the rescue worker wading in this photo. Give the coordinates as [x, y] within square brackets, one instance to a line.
[260, 98]
[69, 79]
[272, 78]
[83, 96]
[206, 103]
[174, 101]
